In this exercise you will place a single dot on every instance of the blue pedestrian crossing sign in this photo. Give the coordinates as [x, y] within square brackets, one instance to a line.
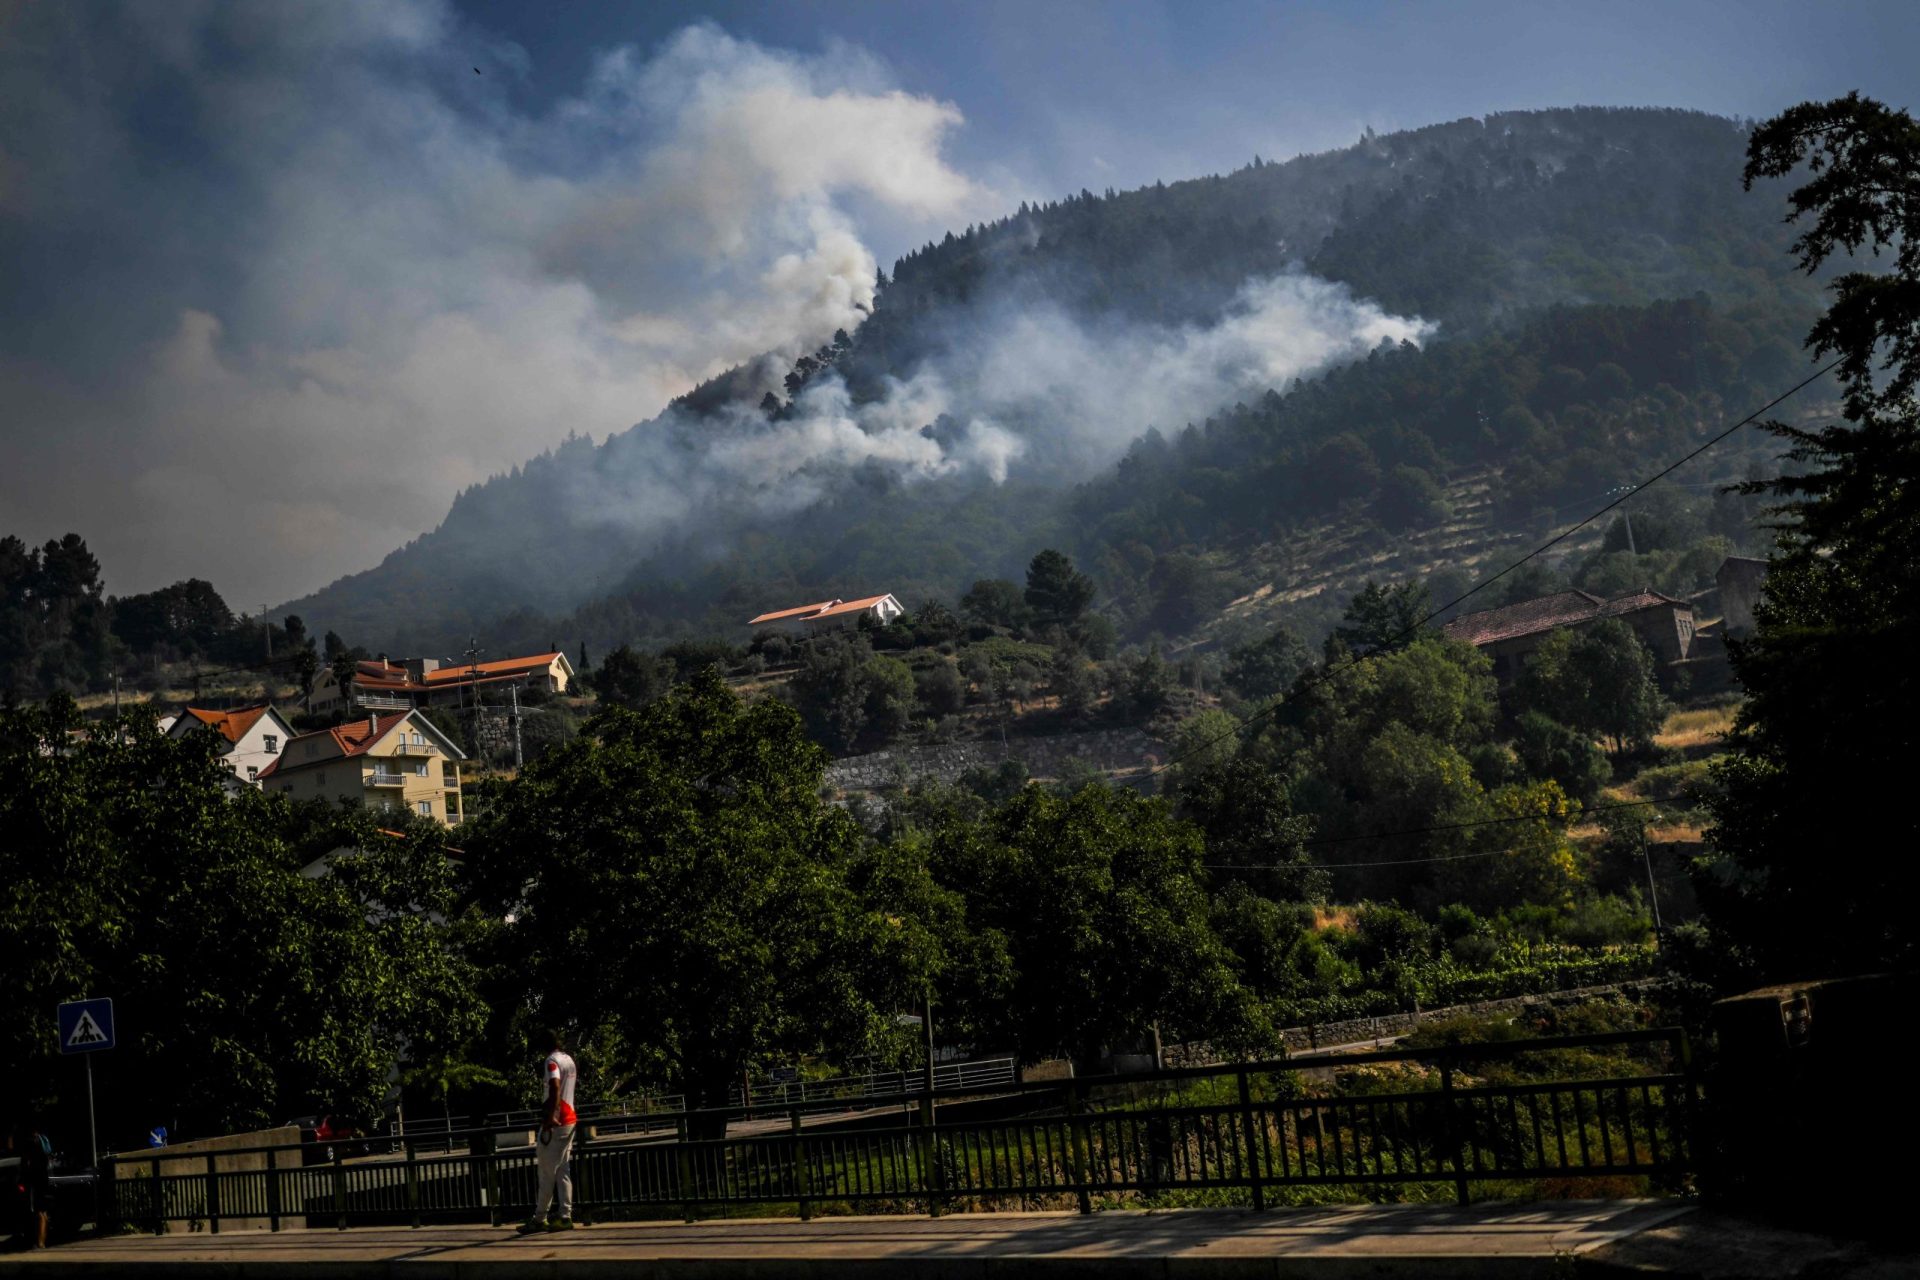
[86, 1026]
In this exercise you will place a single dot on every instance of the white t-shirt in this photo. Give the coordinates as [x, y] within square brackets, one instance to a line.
[559, 1066]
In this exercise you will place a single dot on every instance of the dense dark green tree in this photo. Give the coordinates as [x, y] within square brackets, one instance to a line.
[1268, 667]
[680, 891]
[245, 991]
[1244, 808]
[1383, 617]
[630, 679]
[1597, 679]
[1057, 593]
[1833, 700]
[1100, 899]
[1410, 498]
[996, 603]
[1185, 590]
[831, 690]
[941, 690]
[55, 624]
[690, 657]
[1549, 749]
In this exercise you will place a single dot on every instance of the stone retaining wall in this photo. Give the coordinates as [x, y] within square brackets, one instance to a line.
[1107, 750]
[1356, 1030]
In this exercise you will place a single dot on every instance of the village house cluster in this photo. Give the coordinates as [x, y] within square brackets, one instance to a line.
[387, 755]
[384, 754]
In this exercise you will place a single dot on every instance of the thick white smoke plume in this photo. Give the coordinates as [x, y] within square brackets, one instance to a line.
[287, 277]
[1029, 388]
[298, 265]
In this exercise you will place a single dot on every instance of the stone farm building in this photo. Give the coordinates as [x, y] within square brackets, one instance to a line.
[1512, 632]
[826, 615]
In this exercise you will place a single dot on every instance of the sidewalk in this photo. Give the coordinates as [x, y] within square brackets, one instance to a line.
[1492, 1240]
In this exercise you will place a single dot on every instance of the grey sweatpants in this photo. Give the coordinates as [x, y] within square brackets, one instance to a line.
[556, 1174]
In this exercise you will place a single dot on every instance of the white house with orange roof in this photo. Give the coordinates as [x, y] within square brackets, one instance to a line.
[248, 739]
[826, 615]
[380, 685]
[398, 763]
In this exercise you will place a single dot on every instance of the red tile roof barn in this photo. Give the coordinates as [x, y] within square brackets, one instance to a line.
[1562, 609]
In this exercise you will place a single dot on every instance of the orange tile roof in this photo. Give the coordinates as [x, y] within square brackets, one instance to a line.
[231, 725]
[1562, 609]
[354, 738]
[849, 606]
[466, 670]
[781, 614]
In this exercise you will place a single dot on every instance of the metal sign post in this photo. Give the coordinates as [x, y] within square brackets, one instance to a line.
[86, 1026]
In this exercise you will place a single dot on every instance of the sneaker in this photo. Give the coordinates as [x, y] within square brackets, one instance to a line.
[559, 1224]
[532, 1226]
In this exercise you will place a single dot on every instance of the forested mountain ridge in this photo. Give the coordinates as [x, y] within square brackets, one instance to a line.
[1520, 240]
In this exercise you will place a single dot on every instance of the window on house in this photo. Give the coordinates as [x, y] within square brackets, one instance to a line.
[320, 779]
[425, 807]
[420, 769]
[270, 743]
[253, 773]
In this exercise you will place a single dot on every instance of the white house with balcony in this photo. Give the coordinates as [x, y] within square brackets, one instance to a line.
[829, 615]
[248, 740]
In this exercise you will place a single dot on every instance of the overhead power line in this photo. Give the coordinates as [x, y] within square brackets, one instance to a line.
[1487, 822]
[1413, 831]
[1326, 670]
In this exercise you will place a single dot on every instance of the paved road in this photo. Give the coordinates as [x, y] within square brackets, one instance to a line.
[1494, 1240]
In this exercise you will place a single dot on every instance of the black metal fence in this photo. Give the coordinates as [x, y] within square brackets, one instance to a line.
[1450, 1117]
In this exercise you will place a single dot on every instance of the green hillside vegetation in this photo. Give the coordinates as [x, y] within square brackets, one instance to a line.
[1603, 289]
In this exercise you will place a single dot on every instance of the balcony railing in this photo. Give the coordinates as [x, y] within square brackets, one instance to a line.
[382, 702]
[415, 749]
[380, 779]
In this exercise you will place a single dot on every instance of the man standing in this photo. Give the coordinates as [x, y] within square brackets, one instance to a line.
[557, 1121]
[35, 1174]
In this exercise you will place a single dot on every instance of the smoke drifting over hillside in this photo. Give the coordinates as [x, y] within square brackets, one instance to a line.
[299, 265]
[1021, 386]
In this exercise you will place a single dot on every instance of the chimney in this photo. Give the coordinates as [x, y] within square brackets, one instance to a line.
[373, 724]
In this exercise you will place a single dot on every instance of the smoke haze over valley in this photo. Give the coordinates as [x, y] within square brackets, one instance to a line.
[286, 282]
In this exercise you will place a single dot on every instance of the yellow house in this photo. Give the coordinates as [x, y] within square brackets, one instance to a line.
[397, 763]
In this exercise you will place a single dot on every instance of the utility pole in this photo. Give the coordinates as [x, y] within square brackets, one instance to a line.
[514, 691]
[1628, 517]
[929, 1079]
[1653, 893]
[471, 695]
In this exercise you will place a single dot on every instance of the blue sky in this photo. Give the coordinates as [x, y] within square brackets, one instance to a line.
[1066, 95]
[277, 280]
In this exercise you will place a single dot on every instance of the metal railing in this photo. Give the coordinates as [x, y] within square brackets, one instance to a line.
[415, 749]
[630, 1116]
[380, 779]
[382, 702]
[949, 1077]
[1422, 1116]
